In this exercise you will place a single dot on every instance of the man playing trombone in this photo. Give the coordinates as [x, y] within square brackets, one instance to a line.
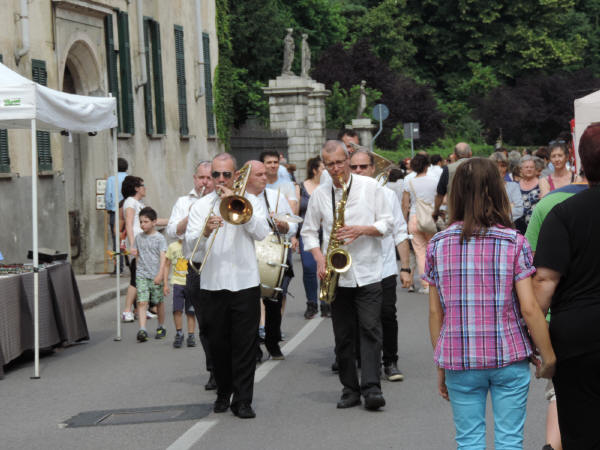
[229, 284]
[203, 185]
[358, 295]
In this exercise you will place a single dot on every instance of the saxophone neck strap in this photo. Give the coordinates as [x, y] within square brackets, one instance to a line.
[333, 208]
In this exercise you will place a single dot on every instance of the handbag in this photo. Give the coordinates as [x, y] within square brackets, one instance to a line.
[425, 222]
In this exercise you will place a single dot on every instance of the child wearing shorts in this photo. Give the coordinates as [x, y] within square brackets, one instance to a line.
[181, 302]
[151, 247]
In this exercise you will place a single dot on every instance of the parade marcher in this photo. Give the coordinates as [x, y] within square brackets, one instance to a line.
[479, 270]
[176, 228]
[366, 219]
[362, 163]
[559, 156]
[567, 282]
[273, 309]
[112, 201]
[530, 191]
[230, 292]
[314, 170]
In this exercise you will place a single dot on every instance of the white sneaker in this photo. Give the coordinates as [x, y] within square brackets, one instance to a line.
[424, 290]
[150, 315]
[127, 316]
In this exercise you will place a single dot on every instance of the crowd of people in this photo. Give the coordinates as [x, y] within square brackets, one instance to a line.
[496, 242]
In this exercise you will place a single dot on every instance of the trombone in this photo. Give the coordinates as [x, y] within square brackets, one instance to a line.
[234, 209]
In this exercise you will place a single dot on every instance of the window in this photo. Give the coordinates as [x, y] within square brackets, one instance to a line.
[125, 71]
[181, 91]
[208, 98]
[153, 89]
[4, 158]
[39, 75]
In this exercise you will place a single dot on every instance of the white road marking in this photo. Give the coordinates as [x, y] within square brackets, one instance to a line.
[200, 428]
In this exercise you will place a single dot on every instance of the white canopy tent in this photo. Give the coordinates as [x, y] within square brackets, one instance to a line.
[25, 104]
[587, 111]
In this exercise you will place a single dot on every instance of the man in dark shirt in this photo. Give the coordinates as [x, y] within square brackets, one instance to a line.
[568, 281]
[462, 150]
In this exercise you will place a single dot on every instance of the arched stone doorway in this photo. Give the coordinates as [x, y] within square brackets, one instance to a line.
[80, 75]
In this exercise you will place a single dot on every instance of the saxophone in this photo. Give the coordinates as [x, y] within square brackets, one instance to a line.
[337, 259]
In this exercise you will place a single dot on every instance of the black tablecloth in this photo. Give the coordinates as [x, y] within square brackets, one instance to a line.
[61, 315]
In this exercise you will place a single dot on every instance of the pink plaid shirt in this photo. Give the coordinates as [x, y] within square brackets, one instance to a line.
[483, 327]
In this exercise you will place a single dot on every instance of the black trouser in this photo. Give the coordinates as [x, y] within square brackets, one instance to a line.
[358, 311]
[272, 323]
[577, 387]
[389, 321]
[192, 292]
[231, 319]
[111, 221]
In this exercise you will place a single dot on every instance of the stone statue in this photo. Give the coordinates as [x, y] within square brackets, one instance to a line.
[362, 101]
[305, 56]
[288, 53]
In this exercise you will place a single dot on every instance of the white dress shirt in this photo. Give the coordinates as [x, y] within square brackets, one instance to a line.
[180, 211]
[390, 241]
[282, 208]
[366, 205]
[231, 264]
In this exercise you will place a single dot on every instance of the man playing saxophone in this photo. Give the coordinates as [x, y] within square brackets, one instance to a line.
[358, 296]
[229, 286]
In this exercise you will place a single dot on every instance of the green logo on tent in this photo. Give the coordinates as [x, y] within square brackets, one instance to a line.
[12, 102]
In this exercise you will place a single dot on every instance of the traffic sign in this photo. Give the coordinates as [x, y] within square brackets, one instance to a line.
[380, 112]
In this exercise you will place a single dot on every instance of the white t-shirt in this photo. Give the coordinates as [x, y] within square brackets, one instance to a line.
[286, 188]
[131, 202]
[424, 187]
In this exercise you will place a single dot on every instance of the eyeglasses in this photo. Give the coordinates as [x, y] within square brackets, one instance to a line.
[331, 164]
[362, 166]
[217, 174]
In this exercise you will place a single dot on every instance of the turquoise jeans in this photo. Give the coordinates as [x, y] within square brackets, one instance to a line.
[508, 387]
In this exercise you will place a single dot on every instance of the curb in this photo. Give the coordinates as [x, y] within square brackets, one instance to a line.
[101, 297]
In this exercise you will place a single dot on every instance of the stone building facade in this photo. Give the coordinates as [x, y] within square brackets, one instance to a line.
[91, 47]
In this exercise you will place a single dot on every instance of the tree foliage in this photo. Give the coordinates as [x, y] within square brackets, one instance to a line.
[342, 104]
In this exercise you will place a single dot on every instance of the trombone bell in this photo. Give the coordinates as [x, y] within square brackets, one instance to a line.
[236, 210]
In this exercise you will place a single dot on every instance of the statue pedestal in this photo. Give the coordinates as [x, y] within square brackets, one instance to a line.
[297, 105]
[364, 127]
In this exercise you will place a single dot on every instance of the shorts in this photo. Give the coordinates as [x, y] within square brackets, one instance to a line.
[148, 291]
[180, 300]
[132, 266]
[549, 393]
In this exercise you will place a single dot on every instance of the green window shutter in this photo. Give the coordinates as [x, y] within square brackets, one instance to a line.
[148, 85]
[208, 96]
[181, 83]
[40, 76]
[111, 65]
[125, 72]
[4, 159]
[159, 97]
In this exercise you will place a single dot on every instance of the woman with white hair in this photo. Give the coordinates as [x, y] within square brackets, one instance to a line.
[530, 191]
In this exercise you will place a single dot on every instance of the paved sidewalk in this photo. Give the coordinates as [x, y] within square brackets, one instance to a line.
[97, 289]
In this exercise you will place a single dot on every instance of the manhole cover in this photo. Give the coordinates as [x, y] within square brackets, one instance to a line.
[132, 416]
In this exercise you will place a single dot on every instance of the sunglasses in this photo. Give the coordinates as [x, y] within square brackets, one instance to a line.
[362, 166]
[226, 175]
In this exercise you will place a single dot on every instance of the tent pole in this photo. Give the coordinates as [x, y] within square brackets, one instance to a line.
[117, 233]
[34, 222]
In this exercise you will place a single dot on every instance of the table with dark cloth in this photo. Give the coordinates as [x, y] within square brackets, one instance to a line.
[61, 317]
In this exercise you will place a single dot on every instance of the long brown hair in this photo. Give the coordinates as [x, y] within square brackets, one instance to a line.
[478, 198]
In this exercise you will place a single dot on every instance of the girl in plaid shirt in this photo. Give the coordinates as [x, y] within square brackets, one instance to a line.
[482, 310]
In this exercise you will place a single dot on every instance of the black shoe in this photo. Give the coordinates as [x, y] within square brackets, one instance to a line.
[178, 340]
[349, 400]
[243, 410]
[374, 401]
[325, 310]
[547, 447]
[221, 404]
[276, 354]
[392, 373]
[211, 384]
[142, 336]
[311, 311]
[191, 340]
[259, 356]
[335, 368]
